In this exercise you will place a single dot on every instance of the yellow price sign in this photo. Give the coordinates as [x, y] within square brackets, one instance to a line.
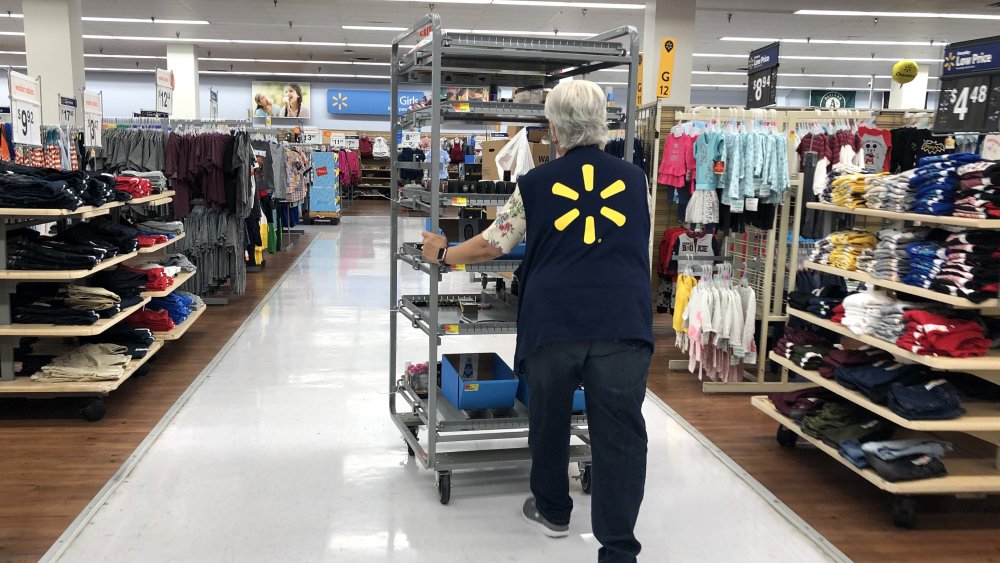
[638, 90]
[458, 267]
[460, 201]
[451, 329]
[472, 387]
[668, 47]
[463, 107]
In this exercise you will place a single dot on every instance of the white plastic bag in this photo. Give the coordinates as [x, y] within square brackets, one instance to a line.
[515, 156]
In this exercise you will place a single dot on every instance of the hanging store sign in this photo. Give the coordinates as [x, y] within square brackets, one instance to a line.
[352, 142]
[762, 76]
[164, 91]
[67, 110]
[665, 82]
[312, 136]
[638, 86]
[338, 140]
[213, 104]
[340, 101]
[93, 117]
[832, 99]
[26, 107]
[969, 100]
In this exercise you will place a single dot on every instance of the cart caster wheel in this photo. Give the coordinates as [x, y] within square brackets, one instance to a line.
[786, 438]
[409, 448]
[904, 512]
[444, 487]
[94, 411]
[587, 478]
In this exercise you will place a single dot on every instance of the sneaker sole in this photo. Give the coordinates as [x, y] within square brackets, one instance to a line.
[545, 529]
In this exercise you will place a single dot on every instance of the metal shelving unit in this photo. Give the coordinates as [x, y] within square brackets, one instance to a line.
[495, 60]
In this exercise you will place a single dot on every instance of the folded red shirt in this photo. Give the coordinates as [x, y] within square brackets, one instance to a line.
[145, 241]
[156, 321]
[137, 187]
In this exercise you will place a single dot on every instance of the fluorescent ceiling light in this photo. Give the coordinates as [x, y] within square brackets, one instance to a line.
[12, 53]
[452, 1]
[103, 56]
[379, 76]
[912, 15]
[820, 58]
[94, 69]
[558, 4]
[373, 28]
[290, 61]
[210, 40]
[781, 87]
[931, 43]
[614, 83]
[21, 33]
[144, 20]
[798, 75]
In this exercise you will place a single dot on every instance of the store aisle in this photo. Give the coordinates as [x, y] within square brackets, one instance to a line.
[286, 453]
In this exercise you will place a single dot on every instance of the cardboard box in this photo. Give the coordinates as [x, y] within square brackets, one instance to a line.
[540, 153]
[535, 134]
[490, 150]
[461, 230]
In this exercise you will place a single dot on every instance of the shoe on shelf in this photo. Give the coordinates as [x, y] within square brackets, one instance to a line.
[535, 518]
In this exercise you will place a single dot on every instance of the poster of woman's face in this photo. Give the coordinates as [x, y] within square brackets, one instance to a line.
[282, 100]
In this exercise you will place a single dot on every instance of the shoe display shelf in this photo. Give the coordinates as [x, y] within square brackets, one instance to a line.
[498, 61]
[11, 333]
[974, 466]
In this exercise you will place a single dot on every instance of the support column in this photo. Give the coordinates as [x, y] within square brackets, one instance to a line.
[53, 40]
[912, 95]
[674, 19]
[183, 61]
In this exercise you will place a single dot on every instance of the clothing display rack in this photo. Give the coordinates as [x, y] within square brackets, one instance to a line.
[973, 469]
[11, 333]
[540, 61]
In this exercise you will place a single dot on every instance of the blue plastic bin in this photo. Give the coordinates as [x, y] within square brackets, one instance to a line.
[579, 398]
[493, 387]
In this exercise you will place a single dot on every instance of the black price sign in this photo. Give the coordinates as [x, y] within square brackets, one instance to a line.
[762, 88]
[969, 100]
[762, 76]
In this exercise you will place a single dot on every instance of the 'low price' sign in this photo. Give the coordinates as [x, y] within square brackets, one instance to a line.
[26, 109]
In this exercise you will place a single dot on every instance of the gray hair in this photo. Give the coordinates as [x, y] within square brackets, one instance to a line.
[577, 111]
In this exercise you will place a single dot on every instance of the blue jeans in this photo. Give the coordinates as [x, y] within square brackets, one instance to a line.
[613, 374]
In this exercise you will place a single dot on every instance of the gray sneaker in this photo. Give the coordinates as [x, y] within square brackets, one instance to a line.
[535, 518]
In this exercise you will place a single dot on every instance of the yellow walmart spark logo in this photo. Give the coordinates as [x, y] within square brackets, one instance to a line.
[339, 101]
[950, 61]
[589, 230]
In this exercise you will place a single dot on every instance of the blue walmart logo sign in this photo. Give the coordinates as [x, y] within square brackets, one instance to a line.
[339, 101]
[366, 102]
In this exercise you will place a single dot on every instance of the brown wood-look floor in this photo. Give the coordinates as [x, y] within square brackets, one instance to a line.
[52, 462]
[851, 513]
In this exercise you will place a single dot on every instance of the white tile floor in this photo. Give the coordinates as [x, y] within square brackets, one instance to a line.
[286, 453]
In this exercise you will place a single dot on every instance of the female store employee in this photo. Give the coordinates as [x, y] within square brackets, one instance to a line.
[584, 315]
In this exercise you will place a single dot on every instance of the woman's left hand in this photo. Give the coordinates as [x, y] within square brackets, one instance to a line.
[432, 246]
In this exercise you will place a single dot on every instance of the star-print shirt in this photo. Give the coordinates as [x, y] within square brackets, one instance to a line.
[507, 230]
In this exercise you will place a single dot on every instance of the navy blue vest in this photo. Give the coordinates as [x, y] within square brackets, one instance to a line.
[585, 275]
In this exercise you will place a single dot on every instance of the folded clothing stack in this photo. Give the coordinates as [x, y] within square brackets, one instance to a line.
[874, 380]
[863, 356]
[837, 421]
[156, 278]
[156, 179]
[808, 356]
[972, 267]
[798, 404]
[819, 302]
[797, 336]
[932, 334]
[29, 250]
[978, 196]
[133, 186]
[46, 303]
[136, 340]
[891, 193]
[889, 324]
[126, 282]
[838, 313]
[103, 232]
[146, 241]
[892, 262]
[47, 188]
[168, 228]
[926, 260]
[932, 400]
[936, 183]
[861, 310]
[90, 362]
[902, 460]
[849, 190]
[180, 261]
[196, 302]
[848, 246]
[156, 321]
[178, 306]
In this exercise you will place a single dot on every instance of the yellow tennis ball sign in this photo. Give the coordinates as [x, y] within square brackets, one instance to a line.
[905, 71]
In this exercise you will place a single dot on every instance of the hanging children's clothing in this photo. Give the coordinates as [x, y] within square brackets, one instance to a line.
[677, 161]
[876, 146]
[719, 320]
